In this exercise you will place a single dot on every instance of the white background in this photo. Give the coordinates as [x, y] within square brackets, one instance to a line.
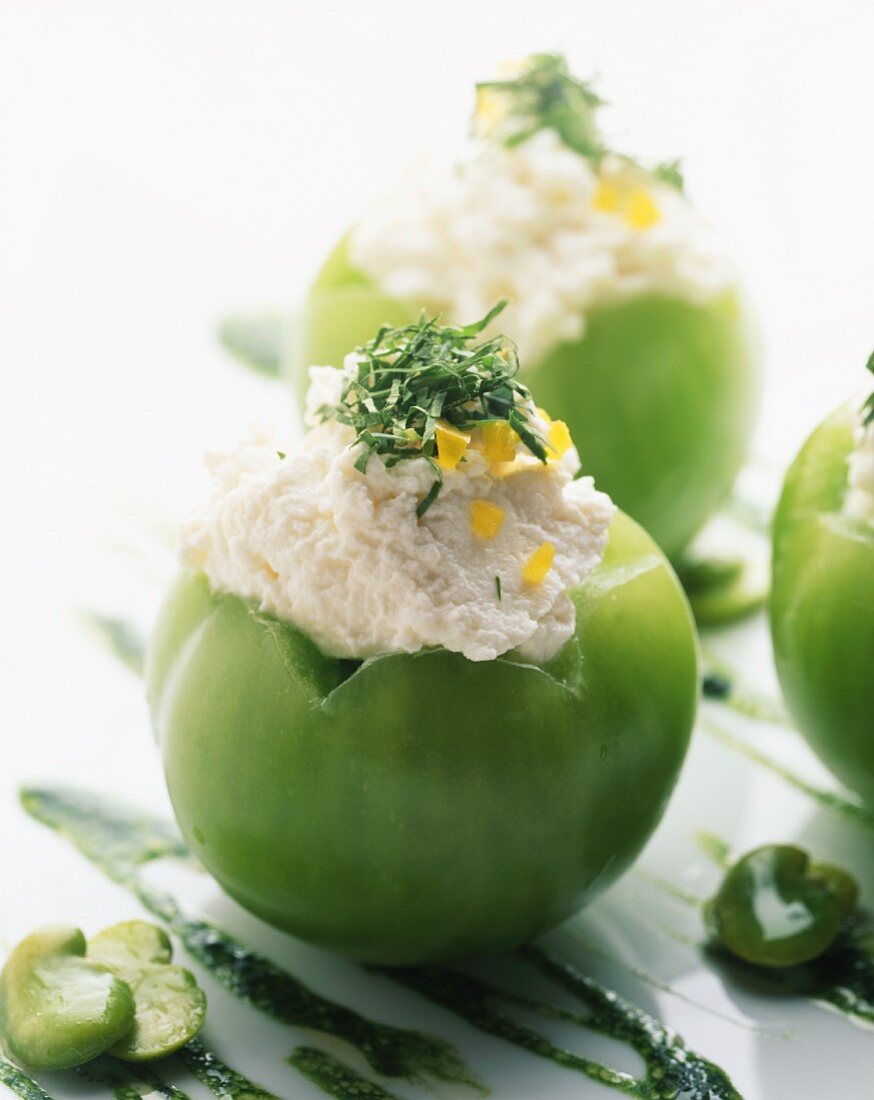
[165, 162]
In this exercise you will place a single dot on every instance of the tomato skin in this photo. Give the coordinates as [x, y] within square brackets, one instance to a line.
[822, 606]
[427, 807]
[660, 394]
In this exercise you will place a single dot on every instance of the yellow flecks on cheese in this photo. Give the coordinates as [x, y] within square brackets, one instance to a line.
[539, 564]
[499, 441]
[451, 445]
[486, 518]
[560, 437]
[607, 197]
[642, 211]
[491, 108]
[269, 570]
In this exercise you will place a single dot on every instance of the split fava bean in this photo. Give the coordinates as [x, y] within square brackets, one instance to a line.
[776, 908]
[63, 1001]
[169, 1006]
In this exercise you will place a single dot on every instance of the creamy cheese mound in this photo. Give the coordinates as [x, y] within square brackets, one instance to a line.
[342, 556]
[537, 224]
[859, 501]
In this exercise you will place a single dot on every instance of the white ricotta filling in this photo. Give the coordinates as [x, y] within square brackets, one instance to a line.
[342, 556]
[859, 501]
[538, 225]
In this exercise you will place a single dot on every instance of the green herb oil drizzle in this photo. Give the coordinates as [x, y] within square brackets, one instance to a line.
[256, 342]
[719, 686]
[219, 1078]
[837, 804]
[671, 1069]
[120, 841]
[841, 979]
[17, 1081]
[663, 986]
[128, 1082]
[121, 638]
[335, 1079]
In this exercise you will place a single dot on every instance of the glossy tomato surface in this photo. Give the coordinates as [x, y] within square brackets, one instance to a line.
[822, 606]
[660, 394]
[425, 807]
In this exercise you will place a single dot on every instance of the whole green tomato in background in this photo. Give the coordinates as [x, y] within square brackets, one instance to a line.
[419, 808]
[822, 606]
[660, 394]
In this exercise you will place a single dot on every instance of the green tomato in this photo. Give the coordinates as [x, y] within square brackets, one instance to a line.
[59, 1009]
[775, 908]
[822, 606]
[169, 1006]
[415, 808]
[660, 394]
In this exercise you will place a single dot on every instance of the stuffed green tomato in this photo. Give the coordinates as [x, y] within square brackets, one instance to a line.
[627, 314]
[420, 692]
[822, 602]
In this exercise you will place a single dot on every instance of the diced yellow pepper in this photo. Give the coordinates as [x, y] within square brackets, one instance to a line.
[607, 197]
[486, 518]
[451, 445]
[560, 437]
[539, 564]
[491, 108]
[642, 211]
[499, 441]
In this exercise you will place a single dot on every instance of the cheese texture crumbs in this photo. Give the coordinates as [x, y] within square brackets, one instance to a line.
[342, 555]
[558, 233]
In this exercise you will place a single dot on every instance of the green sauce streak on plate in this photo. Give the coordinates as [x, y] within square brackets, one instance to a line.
[17, 1081]
[841, 979]
[335, 1079]
[219, 1078]
[128, 1082]
[117, 840]
[391, 1051]
[121, 638]
[844, 975]
[120, 841]
[256, 341]
[718, 685]
[671, 1069]
[715, 848]
[837, 804]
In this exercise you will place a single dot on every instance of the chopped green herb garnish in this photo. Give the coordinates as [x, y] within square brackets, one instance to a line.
[409, 378]
[671, 173]
[280, 455]
[544, 95]
[498, 587]
[868, 407]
